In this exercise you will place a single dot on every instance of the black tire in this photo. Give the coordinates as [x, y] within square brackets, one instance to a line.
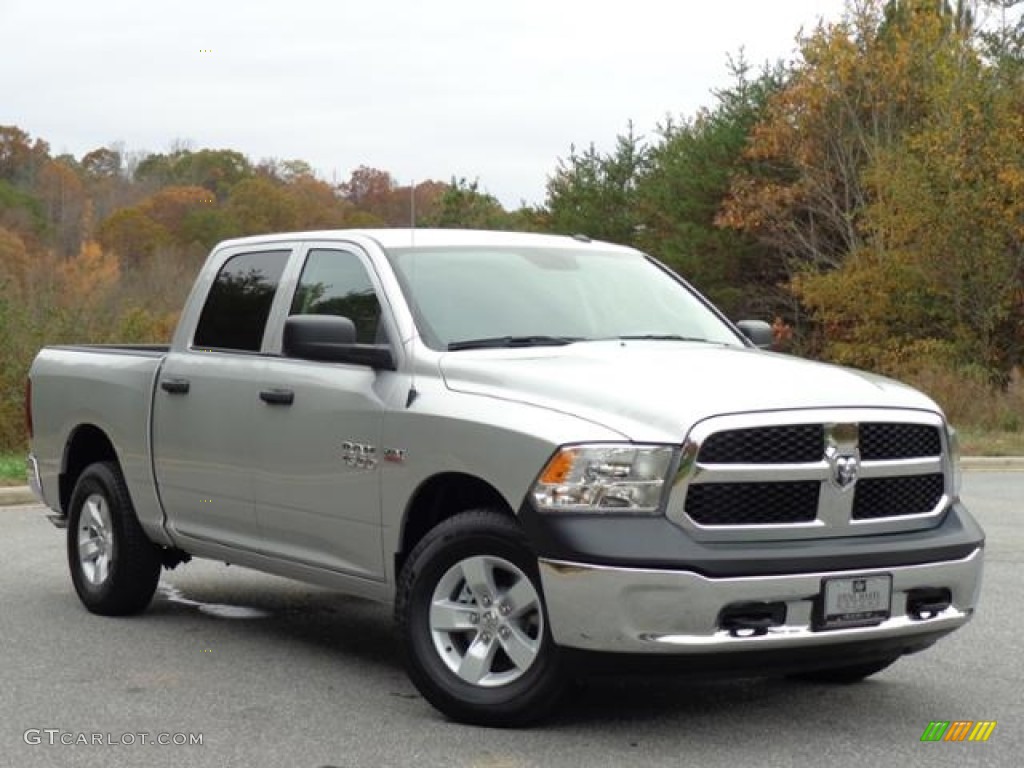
[846, 675]
[508, 692]
[102, 526]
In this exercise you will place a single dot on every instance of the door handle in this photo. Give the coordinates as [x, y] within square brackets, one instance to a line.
[277, 396]
[175, 386]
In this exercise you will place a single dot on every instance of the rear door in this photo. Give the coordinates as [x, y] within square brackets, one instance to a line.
[205, 446]
[318, 489]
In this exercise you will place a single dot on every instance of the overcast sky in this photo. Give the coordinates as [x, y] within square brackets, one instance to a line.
[424, 89]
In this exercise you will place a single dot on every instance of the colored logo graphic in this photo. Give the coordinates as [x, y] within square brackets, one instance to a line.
[958, 730]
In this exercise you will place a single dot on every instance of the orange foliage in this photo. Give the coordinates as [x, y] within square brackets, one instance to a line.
[25, 273]
[171, 205]
[859, 85]
[131, 234]
[14, 260]
[91, 275]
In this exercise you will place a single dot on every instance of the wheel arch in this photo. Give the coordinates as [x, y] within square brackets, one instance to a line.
[439, 498]
[86, 444]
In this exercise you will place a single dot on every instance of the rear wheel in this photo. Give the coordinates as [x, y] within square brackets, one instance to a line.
[846, 675]
[473, 625]
[114, 567]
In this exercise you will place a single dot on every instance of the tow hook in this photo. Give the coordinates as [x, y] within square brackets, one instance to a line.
[752, 619]
[927, 602]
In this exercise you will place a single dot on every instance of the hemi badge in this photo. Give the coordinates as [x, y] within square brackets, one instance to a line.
[394, 455]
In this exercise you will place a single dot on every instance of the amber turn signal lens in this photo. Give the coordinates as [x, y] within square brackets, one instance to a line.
[558, 469]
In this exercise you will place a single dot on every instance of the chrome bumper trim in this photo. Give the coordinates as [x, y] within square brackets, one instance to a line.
[628, 610]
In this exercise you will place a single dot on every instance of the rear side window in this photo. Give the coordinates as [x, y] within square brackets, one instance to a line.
[237, 308]
[337, 283]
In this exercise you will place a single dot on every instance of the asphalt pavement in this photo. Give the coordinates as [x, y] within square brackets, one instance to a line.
[274, 673]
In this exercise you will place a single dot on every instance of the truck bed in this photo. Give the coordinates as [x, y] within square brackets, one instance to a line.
[82, 391]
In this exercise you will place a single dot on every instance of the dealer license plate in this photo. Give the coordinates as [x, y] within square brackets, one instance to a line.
[856, 601]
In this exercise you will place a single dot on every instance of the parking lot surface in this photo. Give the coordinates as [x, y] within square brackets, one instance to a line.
[274, 673]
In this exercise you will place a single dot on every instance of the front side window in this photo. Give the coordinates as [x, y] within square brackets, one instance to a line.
[336, 283]
[236, 310]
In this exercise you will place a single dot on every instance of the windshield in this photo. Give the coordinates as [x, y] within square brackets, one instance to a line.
[472, 297]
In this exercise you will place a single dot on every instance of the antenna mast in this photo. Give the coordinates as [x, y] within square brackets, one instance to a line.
[411, 396]
[412, 204]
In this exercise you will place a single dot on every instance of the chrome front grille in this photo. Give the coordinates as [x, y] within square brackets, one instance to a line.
[812, 473]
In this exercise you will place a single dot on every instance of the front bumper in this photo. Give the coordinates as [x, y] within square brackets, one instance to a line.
[642, 611]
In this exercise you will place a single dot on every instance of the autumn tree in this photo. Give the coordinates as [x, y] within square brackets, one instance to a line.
[424, 199]
[131, 233]
[317, 204]
[885, 174]
[259, 205]
[92, 272]
[14, 262]
[104, 248]
[106, 174]
[174, 215]
[102, 163]
[949, 205]
[20, 157]
[65, 202]
[858, 85]
[372, 191]
[171, 205]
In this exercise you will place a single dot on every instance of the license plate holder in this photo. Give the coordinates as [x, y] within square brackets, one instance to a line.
[854, 601]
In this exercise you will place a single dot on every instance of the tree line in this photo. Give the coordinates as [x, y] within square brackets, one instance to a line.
[104, 248]
[867, 196]
[870, 193]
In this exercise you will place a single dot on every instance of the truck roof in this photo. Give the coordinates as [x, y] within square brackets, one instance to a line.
[432, 238]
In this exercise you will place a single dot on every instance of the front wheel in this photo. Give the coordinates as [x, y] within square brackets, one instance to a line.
[114, 567]
[473, 625]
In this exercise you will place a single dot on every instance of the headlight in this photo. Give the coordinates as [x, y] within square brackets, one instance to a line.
[954, 459]
[604, 478]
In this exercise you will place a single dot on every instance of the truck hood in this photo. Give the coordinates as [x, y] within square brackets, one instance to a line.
[656, 390]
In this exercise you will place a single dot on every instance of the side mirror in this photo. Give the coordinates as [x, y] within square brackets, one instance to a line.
[330, 338]
[758, 331]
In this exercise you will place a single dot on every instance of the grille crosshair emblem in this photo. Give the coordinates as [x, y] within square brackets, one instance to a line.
[844, 468]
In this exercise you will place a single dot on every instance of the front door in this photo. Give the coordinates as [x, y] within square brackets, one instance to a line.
[318, 488]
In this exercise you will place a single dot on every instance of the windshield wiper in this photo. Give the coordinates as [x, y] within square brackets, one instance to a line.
[661, 337]
[498, 342]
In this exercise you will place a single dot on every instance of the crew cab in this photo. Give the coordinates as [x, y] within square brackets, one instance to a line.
[545, 451]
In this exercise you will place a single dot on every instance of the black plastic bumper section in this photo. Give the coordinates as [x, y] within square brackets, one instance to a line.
[759, 663]
[654, 542]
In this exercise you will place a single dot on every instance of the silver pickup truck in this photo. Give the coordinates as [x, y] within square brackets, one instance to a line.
[547, 452]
